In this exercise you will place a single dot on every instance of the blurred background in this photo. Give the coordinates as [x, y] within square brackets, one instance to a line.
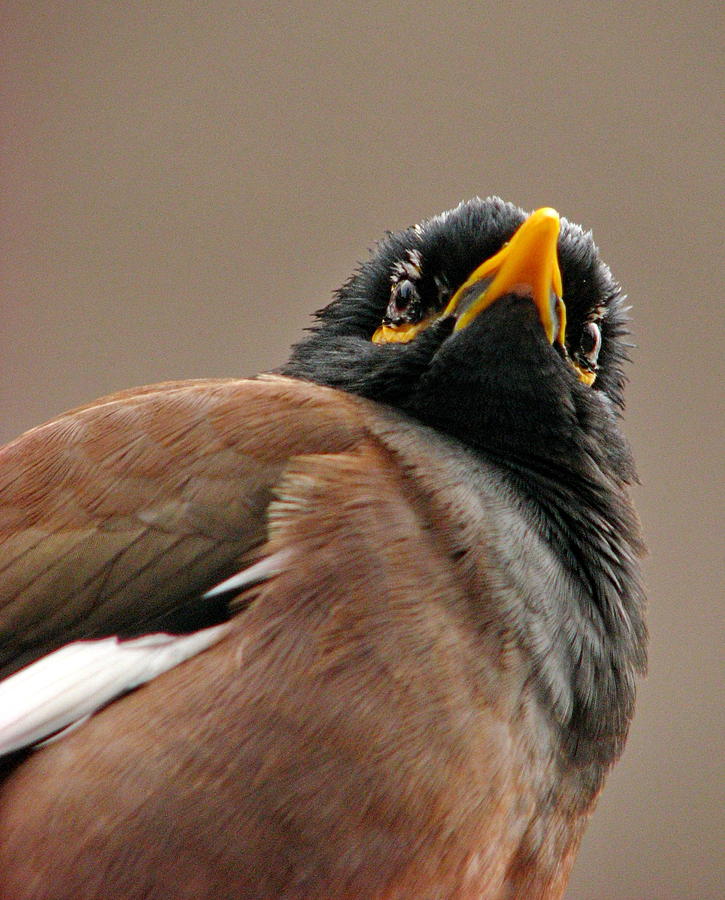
[183, 183]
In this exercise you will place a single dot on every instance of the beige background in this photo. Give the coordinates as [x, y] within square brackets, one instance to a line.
[183, 183]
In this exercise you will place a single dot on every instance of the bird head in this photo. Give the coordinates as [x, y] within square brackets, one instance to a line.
[503, 329]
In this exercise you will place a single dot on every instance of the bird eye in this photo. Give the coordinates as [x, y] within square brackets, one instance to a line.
[404, 305]
[403, 294]
[591, 342]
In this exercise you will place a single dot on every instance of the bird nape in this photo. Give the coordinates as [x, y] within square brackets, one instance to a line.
[366, 627]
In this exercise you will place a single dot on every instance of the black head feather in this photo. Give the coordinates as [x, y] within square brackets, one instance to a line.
[498, 385]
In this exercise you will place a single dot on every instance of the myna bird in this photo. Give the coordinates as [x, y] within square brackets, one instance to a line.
[368, 627]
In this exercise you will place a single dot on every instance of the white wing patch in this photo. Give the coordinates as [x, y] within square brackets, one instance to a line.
[70, 684]
[261, 571]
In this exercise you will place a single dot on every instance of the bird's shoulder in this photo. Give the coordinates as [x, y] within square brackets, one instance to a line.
[103, 508]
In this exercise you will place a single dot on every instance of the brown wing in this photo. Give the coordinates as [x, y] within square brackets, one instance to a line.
[117, 515]
[364, 730]
[360, 733]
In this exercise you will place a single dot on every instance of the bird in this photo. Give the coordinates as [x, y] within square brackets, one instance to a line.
[369, 625]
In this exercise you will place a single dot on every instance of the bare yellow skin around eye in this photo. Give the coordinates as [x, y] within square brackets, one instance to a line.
[401, 334]
[584, 375]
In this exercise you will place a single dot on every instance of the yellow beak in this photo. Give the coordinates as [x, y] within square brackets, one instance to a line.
[527, 265]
